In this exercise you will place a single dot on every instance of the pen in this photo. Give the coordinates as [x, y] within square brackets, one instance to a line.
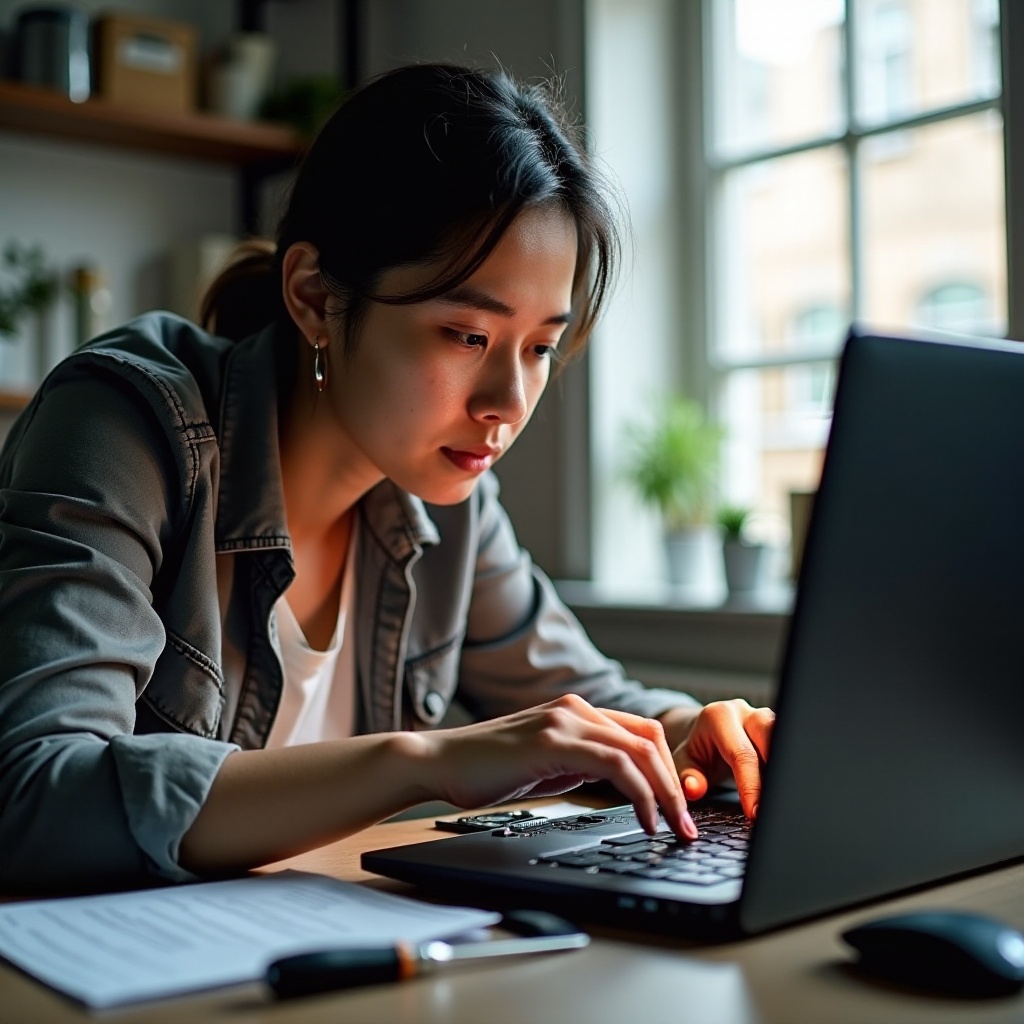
[330, 970]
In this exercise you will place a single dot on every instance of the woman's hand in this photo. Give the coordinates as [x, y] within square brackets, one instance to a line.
[553, 748]
[727, 737]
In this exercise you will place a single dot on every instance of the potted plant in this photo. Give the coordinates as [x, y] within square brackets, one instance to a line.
[672, 465]
[745, 561]
[27, 286]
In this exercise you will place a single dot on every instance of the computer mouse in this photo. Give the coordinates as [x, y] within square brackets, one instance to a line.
[943, 951]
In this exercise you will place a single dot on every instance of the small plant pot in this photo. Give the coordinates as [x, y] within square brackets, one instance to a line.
[689, 555]
[746, 565]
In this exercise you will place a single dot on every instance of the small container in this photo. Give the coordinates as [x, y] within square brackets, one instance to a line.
[92, 303]
[52, 49]
[143, 61]
[242, 79]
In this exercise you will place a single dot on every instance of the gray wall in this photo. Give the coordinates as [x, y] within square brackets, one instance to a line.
[126, 211]
[545, 477]
[120, 210]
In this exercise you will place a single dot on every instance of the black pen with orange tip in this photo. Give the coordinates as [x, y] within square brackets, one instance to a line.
[306, 974]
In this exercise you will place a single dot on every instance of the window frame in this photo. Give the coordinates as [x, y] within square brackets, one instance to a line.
[618, 623]
[719, 364]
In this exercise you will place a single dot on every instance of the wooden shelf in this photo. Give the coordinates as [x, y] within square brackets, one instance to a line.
[13, 401]
[40, 111]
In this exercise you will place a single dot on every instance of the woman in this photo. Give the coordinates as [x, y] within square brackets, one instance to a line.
[240, 581]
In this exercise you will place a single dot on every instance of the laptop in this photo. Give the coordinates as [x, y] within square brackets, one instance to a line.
[898, 752]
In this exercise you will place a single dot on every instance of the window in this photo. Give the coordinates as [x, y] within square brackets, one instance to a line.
[886, 86]
[854, 167]
[961, 307]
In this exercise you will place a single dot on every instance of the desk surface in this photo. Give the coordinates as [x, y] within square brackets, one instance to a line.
[791, 976]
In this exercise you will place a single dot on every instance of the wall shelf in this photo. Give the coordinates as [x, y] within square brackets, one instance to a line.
[39, 111]
[13, 401]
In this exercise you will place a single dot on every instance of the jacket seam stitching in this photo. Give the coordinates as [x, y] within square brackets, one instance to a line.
[173, 719]
[200, 660]
[435, 653]
[184, 428]
[249, 543]
[181, 427]
[247, 684]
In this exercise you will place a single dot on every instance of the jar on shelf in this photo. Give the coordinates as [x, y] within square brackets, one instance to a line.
[92, 302]
[52, 49]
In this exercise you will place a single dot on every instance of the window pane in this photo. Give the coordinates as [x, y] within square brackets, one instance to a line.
[917, 55]
[934, 229]
[784, 264]
[777, 72]
[778, 422]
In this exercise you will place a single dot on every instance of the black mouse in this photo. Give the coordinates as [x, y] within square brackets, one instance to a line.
[944, 951]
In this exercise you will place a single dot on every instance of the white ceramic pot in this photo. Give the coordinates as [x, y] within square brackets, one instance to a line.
[745, 565]
[689, 555]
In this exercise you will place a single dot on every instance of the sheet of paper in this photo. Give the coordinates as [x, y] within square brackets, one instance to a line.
[558, 809]
[125, 947]
[561, 809]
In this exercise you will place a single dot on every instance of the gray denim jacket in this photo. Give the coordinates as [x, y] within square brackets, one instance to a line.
[142, 547]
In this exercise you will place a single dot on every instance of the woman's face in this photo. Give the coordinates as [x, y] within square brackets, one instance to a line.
[435, 392]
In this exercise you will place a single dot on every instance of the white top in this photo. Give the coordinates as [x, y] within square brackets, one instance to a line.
[318, 699]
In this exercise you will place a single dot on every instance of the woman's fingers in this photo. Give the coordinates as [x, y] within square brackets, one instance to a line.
[695, 784]
[669, 791]
[734, 733]
[625, 774]
[631, 739]
[567, 739]
[759, 727]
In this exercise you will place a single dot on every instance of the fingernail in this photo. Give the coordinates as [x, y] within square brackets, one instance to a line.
[753, 811]
[688, 826]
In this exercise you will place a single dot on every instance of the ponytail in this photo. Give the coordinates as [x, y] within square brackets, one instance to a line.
[246, 295]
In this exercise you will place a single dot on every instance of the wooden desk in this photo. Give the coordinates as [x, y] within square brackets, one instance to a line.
[789, 977]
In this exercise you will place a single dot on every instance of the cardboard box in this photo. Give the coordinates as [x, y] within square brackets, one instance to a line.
[146, 62]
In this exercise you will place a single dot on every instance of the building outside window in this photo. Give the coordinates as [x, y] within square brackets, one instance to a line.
[854, 164]
[959, 307]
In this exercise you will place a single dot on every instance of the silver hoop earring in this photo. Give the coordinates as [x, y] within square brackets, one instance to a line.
[319, 364]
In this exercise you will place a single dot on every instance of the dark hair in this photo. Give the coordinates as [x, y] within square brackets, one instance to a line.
[428, 163]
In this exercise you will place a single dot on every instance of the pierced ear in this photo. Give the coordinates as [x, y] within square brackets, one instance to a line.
[304, 293]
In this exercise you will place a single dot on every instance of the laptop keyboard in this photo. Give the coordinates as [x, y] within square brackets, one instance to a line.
[718, 854]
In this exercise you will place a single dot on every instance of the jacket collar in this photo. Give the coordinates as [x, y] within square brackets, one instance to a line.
[251, 511]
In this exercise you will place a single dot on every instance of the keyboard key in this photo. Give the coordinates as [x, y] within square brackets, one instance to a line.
[693, 878]
[650, 846]
[655, 872]
[623, 867]
[581, 860]
[714, 849]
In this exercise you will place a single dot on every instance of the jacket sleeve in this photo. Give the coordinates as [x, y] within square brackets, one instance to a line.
[523, 646]
[90, 495]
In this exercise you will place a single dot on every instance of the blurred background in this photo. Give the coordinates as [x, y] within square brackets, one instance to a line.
[789, 166]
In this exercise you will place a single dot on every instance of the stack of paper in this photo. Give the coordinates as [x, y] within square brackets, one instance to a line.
[115, 949]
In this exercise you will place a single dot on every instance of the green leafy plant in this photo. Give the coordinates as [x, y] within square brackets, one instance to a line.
[672, 463]
[732, 519]
[27, 285]
[304, 103]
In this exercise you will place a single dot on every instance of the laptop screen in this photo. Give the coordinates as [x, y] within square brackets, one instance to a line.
[898, 756]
